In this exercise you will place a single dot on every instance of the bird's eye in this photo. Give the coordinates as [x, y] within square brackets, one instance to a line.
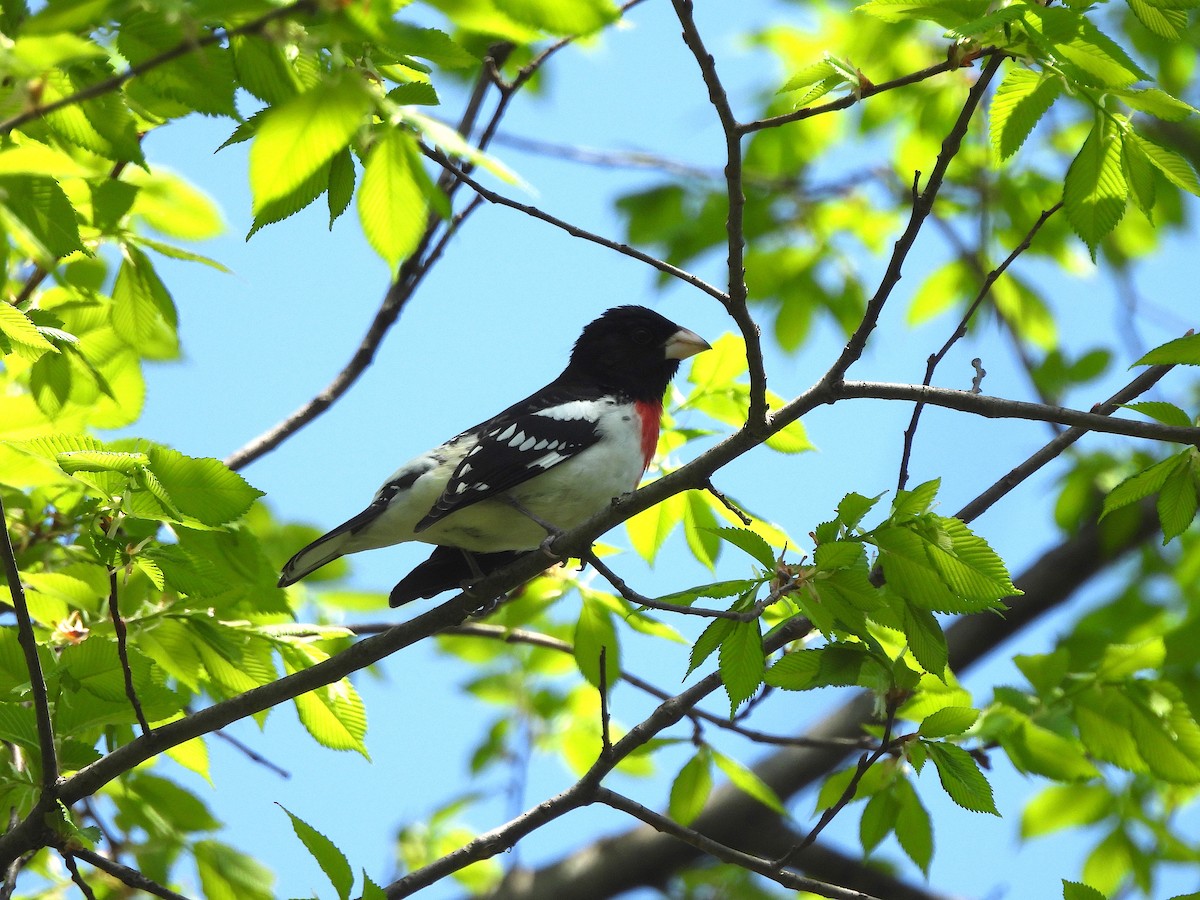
[641, 336]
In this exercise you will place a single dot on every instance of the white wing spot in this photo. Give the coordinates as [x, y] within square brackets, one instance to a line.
[465, 469]
[574, 409]
[527, 444]
[462, 486]
[541, 445]
[517, 440]
[508, 432]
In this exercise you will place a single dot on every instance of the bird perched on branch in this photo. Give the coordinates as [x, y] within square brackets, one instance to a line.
[544, 465]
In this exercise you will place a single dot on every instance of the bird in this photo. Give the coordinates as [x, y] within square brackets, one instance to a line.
[541, 467]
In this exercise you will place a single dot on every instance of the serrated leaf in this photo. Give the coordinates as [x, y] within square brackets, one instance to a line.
[205, 489]
[710, 639]
[1177, 501]
[101, 461]
[391, 204]
[295, 139]
[331, 860]
[699, 523]
[750, 542]
[878, 820]
[810, 75]
[1177, 170]
[1158, 103]
[747, 781]
[691, 787]
[1033, 748]
[741, 663]
[18, 328]
[1020, 102]
[577, 17]
[914, 829]
[1181, 351]
[1142, 484]
[947, 721]
[961, 777]
[341, 184]
[334, 713]
[1094, 191]
[1073, 890]
[143, 312]
[648, 530]
[1167, 23]
[1140, 175]
[835, 664]
[717, 590]
[926, 640]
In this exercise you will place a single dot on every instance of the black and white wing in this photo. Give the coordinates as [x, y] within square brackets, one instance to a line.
[522, 442]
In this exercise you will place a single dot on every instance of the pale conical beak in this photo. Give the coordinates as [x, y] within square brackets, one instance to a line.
[685, 343]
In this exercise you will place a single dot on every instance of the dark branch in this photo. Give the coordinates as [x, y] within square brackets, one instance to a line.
[114, 612]
[130, 877]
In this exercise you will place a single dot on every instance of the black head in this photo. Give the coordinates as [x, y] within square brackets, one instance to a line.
[633, 350]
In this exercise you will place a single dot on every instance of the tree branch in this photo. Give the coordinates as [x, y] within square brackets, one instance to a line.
[649, 858]
[575, 231]
[37, 681]
[763, 867]
[867, 89]
[130, 877]
[735, 304]
[1000, 408]
[922, 205]
[114, 612]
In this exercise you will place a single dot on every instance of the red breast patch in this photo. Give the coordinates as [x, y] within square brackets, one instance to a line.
[651, 414]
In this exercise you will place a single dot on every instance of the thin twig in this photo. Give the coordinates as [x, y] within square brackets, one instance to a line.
[1055, 447]
[251, 754]
[634, 597]
[729, 504]
[29, 646]
[536, 639]
[131, 877]
[76, 876]
[605, 740]
[735, 195]
[574, 230]
[864, 763]
[184, 47]
[723, 852]
[921, 208]
[114, 611]
[584, 790]
[961, 332]
[866, 90]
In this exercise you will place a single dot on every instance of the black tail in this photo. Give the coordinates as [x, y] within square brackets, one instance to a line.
[447, 569]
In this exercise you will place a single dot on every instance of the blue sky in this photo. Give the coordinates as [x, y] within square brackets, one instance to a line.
[494, 321]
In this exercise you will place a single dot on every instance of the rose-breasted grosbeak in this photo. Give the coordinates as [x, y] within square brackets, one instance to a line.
[551, 461]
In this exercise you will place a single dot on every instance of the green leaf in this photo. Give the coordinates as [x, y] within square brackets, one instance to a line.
[576, 17]
[101, 461]
[750, 542]
[1073, 890]
[648, 530]
[913, 829]
[1181, 351]
[392, 206]
[331, 860]
[1140, 175]
[950, 720]
[741, 663]
[947, 13]
[1168, 23]
[710, 639]
[41, 208]
[699, 525]
[748, 782]
[961, 777]
[143, 312]
[1157, 103]
[341, 184]
[1144, 483]
[594, 633]
[1167, 413]
[835, 664]
[202, 488]
[1033, 748]
[263, 69]
[915, 502]
[334, 713]
[1020, 102]
[297, 138]
[18, 328]
[227, 874]
[1177, 170]
[1094, 192]
[691, 787]
[716, 590]
[1066, 806]
[926, 640]
[1177, 500]
[372, 891]
[878, 820]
